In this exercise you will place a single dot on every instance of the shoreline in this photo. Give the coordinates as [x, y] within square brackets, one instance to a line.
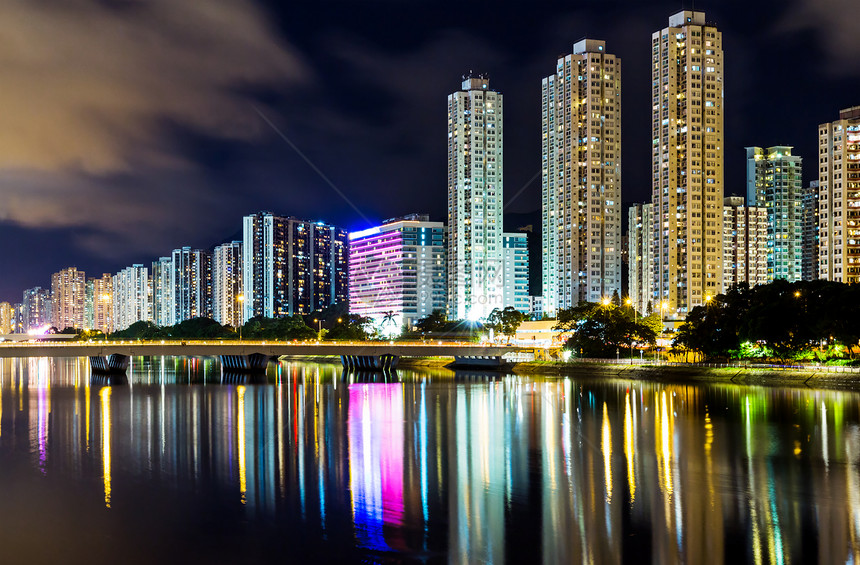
[812, 377]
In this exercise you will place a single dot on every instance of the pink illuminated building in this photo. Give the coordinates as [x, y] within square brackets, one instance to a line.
[397, 271]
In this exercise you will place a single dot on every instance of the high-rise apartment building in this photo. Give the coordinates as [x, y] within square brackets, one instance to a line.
[774, 182]
[809, 243]
[475, 200]
[839, 198]
[291, 266]
[6, 320]
[163, 311]
[132, 300]
[397, 271]
[687, 161]
[515, 274]
[227, 294]
[68, 298]
[98, 305]
[192, 284]
[745, 243]
[36, 309]
[640, 266]
[581, 177]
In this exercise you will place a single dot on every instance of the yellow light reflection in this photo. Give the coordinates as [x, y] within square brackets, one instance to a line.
[105, 397]
[629, 449]
[606, 446]
[709, 462]
[243, 485]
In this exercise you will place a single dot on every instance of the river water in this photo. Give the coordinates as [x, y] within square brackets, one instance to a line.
[181, 464]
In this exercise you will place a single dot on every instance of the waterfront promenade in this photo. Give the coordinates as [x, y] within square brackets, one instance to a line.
[203, 348]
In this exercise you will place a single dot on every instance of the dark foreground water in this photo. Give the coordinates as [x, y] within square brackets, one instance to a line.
[311, 466]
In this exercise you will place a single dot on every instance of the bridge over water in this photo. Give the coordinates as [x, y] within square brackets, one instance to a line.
[202, 348]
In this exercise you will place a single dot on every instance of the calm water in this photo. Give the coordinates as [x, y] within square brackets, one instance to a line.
[175, 467]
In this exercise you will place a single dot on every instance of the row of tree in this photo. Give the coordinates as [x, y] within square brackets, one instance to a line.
[333, 323]
[604, 330]
[783, 320]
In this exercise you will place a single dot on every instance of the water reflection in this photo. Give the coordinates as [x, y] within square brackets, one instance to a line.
[436, 466]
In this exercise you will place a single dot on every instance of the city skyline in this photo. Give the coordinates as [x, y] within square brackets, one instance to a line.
[58, 202]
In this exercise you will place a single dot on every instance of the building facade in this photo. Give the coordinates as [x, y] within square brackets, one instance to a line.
[227, 293]
[475, 200]
[397, 271]
[515, 275]
[98, 307]
[132, 300]
[745, 243]
[581, 177]
[774, 182]
[36, 309]
[292, 266]
[640, 266]
[163, 311]
[7, 322]
[839, 198]
[687, 162]
[68, 299]
[809, 243]
[192, 284]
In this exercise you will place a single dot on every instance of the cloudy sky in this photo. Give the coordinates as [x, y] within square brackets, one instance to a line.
[130, 127]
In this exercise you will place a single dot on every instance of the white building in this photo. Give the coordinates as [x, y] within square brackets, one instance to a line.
[687, 162]
[839, 198]
[475, 200]
[227, 294]
[163, 313]
[397, 271]
[516, 271]
[581, 177]
[132, 297]
[745, 243]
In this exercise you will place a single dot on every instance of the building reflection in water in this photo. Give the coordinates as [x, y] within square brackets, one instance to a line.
[471, 468]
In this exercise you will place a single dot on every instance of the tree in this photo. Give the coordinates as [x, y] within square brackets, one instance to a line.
[505, 321]
[286, 328]
[435, 322]
[351, 328]
[601, 330]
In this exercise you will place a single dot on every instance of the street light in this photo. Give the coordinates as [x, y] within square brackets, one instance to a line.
[319, 328]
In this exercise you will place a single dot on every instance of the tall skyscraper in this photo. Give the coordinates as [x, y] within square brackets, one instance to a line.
[839, 198]
[163, 311]
[581, 177]
[36, 309]
[515, 274]
[227, 294]
[774, 182]
[98, 309]
[809, 257]
[687, 161]
[745, 243]
[475, 200]
[291, 266]
[68, 298]
[640, 267]
[132, 300]
[6, 319]
[192, 284]
[398, 269]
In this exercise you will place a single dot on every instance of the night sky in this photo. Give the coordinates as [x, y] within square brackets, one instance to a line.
[129, 128]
